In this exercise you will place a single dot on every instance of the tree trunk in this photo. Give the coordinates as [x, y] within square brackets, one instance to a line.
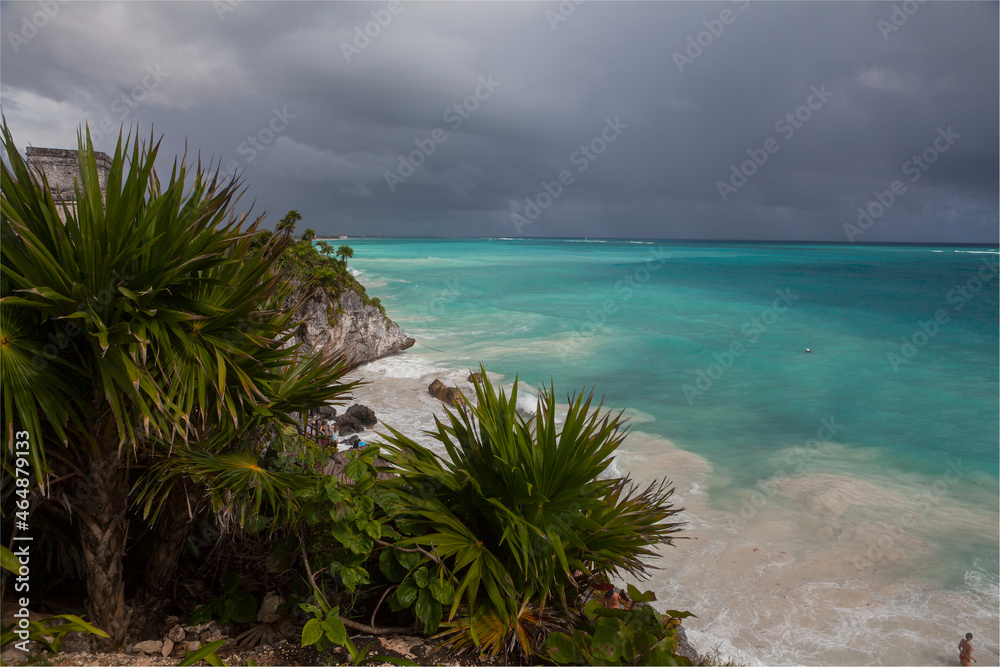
[103, 509]
[172, 530]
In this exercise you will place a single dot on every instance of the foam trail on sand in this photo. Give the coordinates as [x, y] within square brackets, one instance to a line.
[789, 581]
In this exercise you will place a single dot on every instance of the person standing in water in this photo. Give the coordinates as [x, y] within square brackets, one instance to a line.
[965, 650]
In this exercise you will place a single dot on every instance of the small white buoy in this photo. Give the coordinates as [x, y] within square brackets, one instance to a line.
[807, 350]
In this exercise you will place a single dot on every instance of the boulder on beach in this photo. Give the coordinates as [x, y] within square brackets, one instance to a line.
[357, 418]
[444, 393]
[475, 378]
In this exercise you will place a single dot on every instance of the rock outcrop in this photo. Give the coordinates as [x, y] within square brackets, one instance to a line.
[685, 648]
[348, 327]
[357, 418]
[442, 392]
[326, 412]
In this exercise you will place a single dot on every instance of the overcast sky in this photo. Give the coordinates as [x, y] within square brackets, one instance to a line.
[735, 120]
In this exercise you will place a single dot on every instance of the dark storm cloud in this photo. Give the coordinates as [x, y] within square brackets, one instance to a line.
[672, 96]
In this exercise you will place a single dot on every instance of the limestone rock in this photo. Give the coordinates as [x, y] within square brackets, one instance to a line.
[149, 646]
[11, 655]
[684, 647]
[176, 634]
[345, 326]
[475, 378]
[192, 646]
[401, 644]
[268, 612]
[357, 418]
[168, 646]
[75, 642]
[449, 395]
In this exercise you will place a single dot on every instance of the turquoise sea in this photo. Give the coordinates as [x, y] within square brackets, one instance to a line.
[863, 473]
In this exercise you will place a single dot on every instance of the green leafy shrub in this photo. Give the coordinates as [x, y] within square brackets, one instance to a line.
[342, 521]
[636, 636]
[234, 604]
[418, 588]
[347, 533]
[326, 629]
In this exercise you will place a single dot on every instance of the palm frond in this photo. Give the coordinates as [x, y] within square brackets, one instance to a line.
[236, 483]
[519, 505]
[487, 631]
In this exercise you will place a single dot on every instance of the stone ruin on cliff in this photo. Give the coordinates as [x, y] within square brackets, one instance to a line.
[62, 168]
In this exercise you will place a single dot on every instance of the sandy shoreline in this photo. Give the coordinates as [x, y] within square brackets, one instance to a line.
[788, 579]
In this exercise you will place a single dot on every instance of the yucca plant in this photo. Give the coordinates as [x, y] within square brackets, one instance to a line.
[518, 507]
[144, 331]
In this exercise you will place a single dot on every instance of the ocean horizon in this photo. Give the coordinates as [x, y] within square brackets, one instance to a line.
[601, 239]
[827, 413]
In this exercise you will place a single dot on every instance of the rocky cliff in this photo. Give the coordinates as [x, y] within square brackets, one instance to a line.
[346, 325]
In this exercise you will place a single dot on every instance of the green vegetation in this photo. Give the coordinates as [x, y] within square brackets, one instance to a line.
[343, 252]
[206, 653]
[314, 264]
[519, 512]
[233, 605]
[167, 360]
[637, 636]
[144, 349]
[49, 632]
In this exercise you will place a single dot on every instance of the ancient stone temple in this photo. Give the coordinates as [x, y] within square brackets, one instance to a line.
[62, 168]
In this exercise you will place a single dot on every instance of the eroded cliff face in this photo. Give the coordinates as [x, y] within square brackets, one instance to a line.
[346, 326]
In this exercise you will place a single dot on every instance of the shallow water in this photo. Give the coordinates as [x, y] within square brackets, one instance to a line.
[843, 505]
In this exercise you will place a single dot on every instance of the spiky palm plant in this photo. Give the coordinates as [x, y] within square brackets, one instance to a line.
[146, 330]
[518, 507]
